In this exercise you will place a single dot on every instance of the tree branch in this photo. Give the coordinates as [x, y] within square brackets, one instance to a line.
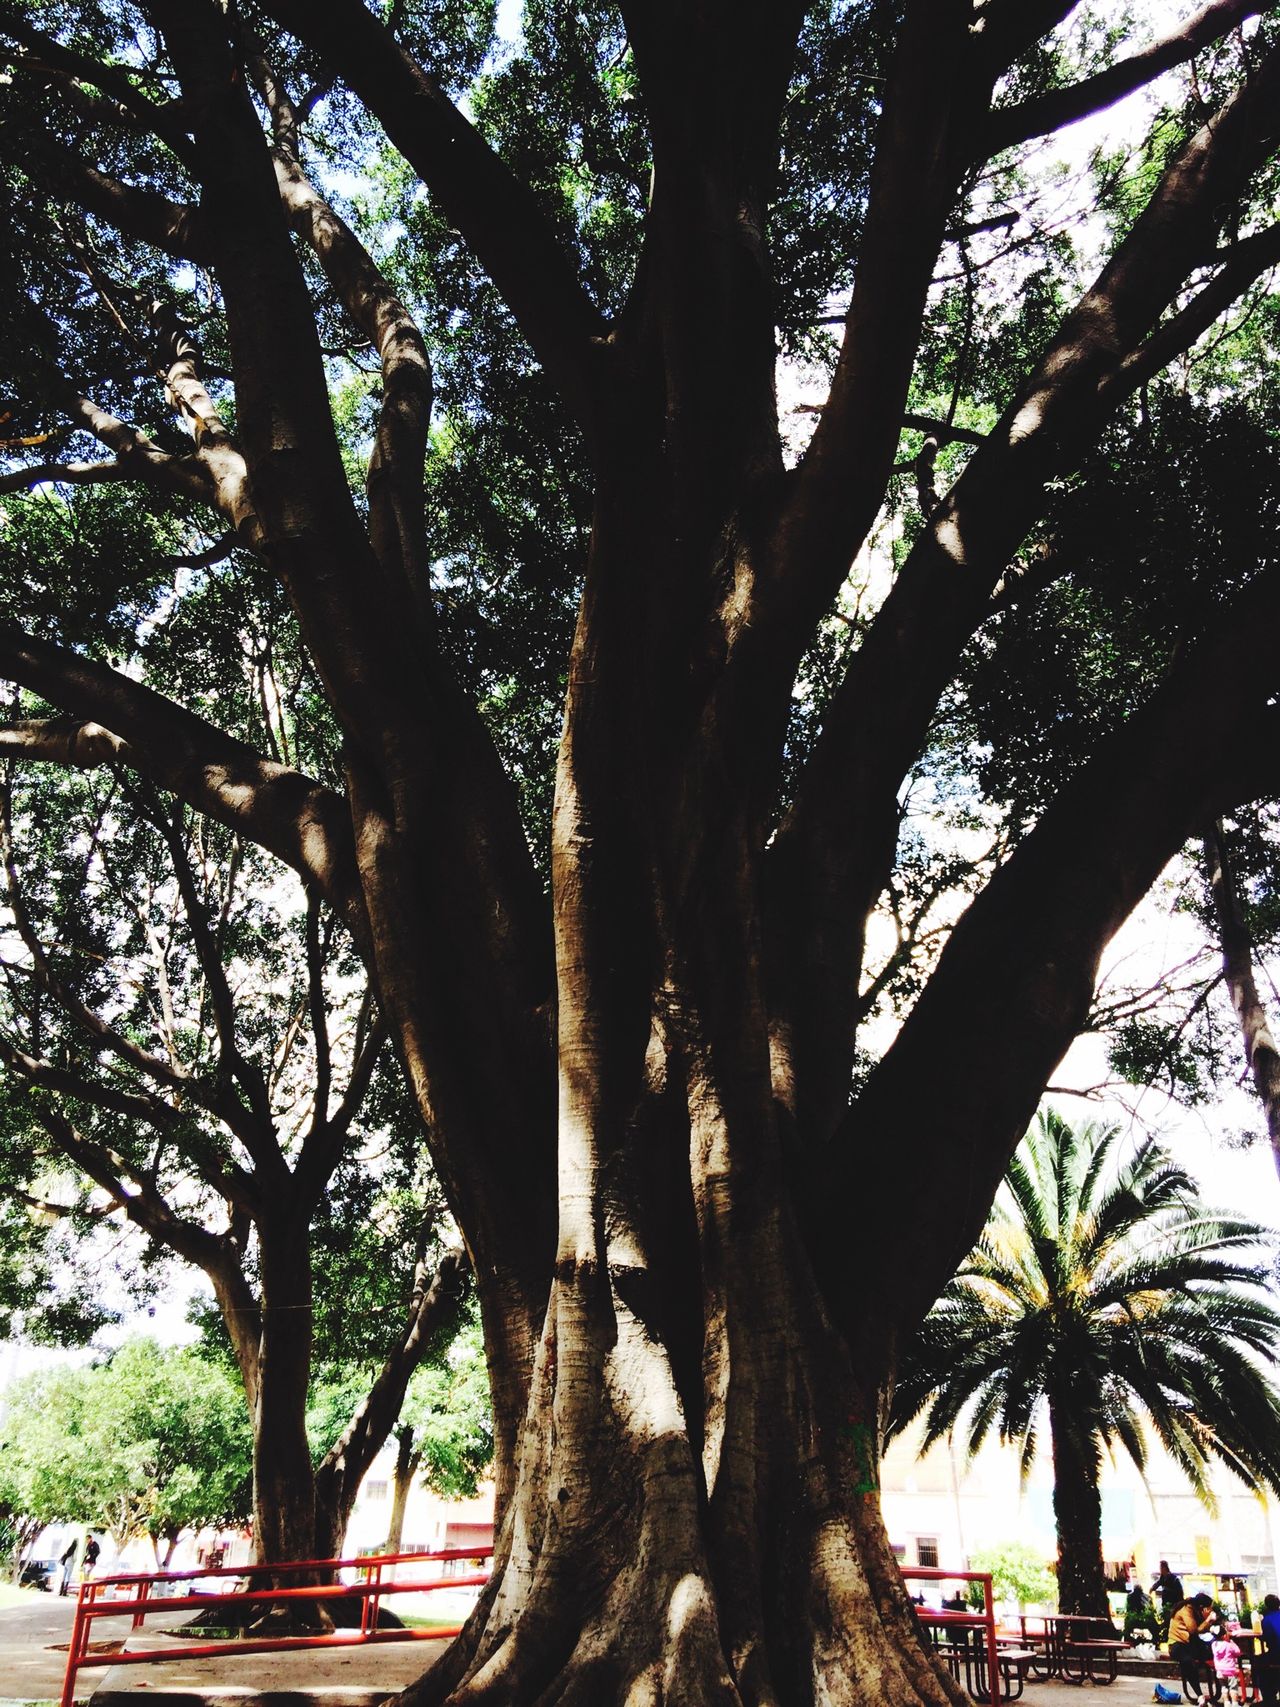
[319, 1014]
[173, 227]
[227, 1178]
[831, 854]
[147, 1209]
[937, 94]
[43, 1075]
[137, 455]
[1260, 1050]
[115, 719]
[397, 519]
[218, 552]
[144, 1205]
[129, 105]
[1059, 108]
[104, 1036]
[494, 211]
[258, 1132]
[322, 1147]
[216, 1099]
[434, 1309]
[984, 1045]
[63, 474]
[215, 449]
[1242, 264]
[944, 431]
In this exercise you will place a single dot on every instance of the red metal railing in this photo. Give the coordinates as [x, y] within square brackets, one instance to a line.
[975, 1620]
[117, 1597]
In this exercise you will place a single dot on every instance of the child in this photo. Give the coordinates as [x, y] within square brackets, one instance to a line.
[1226, 1665]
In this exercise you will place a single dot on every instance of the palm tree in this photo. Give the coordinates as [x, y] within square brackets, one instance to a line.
[1103, 1296]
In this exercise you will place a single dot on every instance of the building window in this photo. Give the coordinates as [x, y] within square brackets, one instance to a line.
[927, 1551]
[375, 1490]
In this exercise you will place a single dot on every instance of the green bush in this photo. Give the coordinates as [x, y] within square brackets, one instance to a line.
[1017, 1572]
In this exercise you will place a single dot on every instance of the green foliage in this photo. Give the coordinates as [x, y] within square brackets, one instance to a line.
[1104, 1294]
[1175, 513]
[445, 1421]
[447, 1408]
[151, 1442]
[1017, 1572]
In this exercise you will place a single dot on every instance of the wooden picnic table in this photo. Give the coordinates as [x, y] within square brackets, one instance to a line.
[1075, 1648]
[964, 1651]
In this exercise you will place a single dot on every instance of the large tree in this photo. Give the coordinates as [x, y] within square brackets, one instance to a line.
[191, 1056]
[700, 1221]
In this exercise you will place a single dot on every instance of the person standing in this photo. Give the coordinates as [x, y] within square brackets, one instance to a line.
[1266, 1657]
[1169, 1588]
[1226, 1667]
[68, 1563]
[91, 1554]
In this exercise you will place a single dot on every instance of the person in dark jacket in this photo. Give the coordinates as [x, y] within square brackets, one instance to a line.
[1266, 1659]
[1169, 1588]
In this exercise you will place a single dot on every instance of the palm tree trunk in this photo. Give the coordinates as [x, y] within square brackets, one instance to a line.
[1077, 1510]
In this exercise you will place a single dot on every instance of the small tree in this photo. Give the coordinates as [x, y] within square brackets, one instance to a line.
[1017, 1572]
[151, 1442]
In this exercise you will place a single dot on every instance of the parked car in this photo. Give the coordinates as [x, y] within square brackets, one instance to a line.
[40, 1573]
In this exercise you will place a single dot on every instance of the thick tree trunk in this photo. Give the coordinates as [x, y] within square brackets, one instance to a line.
[666, 1546]
[1077, 1511]
[695, 1516]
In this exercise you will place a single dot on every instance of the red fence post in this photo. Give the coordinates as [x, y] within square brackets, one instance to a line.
[993, 1652]
[79, 1633]
[137, 1601]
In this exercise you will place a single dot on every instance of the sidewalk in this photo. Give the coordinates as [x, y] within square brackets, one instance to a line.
[29, 1670]
[1124, 1692]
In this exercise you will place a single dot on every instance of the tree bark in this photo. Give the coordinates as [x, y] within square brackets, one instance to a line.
[284, 1498]
[1260, 1050]
[1077, 1511]
[659, 1549]
[695, 1516]
[407, 1461]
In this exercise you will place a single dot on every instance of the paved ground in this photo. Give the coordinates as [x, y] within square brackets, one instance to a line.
[30, 1667]
[1122, 1693]
[33, 1640]
[33, 1659]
